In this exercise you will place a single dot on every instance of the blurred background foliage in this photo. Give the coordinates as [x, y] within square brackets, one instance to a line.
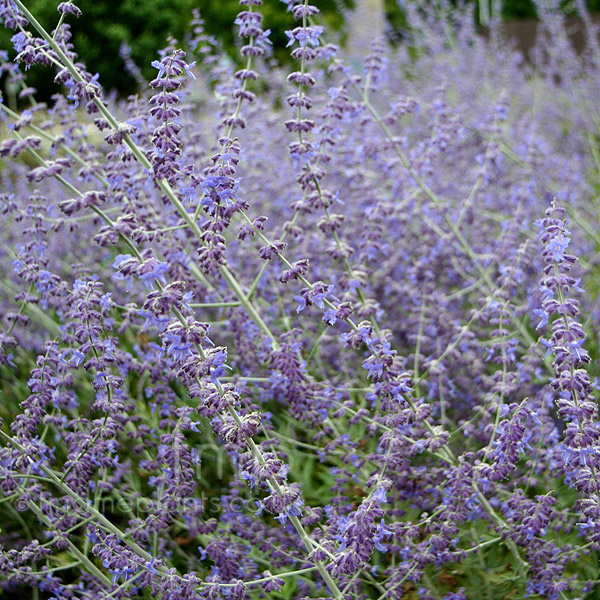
[144, 25]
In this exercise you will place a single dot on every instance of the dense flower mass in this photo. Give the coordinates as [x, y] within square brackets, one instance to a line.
[329, 333]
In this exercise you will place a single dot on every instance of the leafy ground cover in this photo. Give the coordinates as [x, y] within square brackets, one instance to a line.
[325, 334]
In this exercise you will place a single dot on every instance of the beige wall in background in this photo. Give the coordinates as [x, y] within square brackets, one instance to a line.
[366, 23]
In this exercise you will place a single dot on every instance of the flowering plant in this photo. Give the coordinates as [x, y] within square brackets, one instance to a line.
[271, 334]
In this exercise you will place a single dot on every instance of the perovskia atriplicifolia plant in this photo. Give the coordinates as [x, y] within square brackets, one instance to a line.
[327, 333]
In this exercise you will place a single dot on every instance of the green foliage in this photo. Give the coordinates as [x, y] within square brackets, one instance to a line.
[518, 9]
[394, 16]
[104, 26]
[145, 25]
[525, 9]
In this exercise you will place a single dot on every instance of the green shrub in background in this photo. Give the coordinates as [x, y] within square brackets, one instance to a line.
[144, 26]
[104, 26]
[524, 9]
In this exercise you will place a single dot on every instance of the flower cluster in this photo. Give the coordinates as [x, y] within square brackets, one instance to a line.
[575, 403]
[165, 110]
